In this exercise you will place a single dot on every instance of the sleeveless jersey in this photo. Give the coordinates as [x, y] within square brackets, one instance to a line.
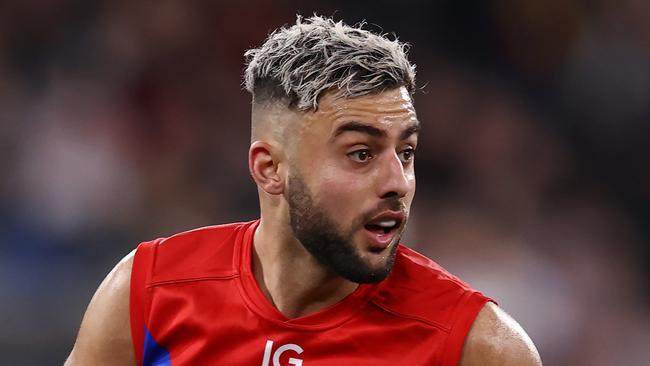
[194, 301]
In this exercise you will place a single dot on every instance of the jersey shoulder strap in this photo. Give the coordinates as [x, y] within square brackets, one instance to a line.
[420, 289]
[139, 293]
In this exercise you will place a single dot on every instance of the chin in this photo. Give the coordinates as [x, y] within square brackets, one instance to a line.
[377, 265]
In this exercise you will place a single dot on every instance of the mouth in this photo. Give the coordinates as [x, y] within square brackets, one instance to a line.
[382, 228]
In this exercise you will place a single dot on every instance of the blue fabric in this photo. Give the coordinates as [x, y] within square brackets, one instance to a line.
[154, 354]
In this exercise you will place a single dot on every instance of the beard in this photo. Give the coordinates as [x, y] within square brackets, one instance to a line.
[331, 246]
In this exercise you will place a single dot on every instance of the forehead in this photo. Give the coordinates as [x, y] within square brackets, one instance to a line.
[391, 108]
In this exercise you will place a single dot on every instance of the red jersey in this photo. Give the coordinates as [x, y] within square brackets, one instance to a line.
[194, 301]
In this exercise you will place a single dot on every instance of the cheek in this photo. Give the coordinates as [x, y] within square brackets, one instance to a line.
[411, 178]
[411, 194]
[335, 184]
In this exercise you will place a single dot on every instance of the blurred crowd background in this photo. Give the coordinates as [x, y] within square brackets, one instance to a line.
[123, 121]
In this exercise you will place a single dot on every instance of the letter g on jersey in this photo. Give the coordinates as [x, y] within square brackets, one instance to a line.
[268, 350]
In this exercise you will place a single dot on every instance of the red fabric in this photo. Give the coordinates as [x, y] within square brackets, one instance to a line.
[138, 300]
[197, 296]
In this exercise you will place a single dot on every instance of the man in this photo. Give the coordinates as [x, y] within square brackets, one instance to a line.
[320, 279]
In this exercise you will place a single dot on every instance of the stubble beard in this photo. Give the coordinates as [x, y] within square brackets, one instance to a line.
[332, 247]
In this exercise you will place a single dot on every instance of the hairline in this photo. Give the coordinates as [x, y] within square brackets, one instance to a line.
[297, 65]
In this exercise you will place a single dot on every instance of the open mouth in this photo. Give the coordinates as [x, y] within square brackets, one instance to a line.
[385, 226]
[382, 229]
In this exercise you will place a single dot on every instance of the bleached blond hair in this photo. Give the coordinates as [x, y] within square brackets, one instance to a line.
[298, 64]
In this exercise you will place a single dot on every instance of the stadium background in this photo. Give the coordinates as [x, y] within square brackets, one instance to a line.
[123, 121]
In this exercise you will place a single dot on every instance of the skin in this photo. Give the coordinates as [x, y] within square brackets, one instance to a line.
[348, 175]
[105, 334]
[355, 174]
[496, 339]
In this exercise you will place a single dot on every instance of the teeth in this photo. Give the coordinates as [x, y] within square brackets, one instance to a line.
[386, 223]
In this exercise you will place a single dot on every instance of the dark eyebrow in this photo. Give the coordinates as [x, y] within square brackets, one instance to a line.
[414, 128]
[374, 131]
[359, 127]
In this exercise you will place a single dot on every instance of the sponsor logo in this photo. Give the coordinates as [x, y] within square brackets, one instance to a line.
[269, 355]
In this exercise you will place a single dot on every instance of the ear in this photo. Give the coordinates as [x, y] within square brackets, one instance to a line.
[263, 166]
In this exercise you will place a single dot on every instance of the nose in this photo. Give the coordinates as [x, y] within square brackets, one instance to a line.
[394, 180]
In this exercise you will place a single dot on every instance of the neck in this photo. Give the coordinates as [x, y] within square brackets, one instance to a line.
[289, 276]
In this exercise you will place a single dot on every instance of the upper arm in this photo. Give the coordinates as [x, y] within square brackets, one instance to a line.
[105, 334]
[497, 339]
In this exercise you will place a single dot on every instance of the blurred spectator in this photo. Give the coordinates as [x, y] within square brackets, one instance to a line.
[123, 122]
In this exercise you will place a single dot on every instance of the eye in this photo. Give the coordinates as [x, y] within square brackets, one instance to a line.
[360, 156]
[407, 155]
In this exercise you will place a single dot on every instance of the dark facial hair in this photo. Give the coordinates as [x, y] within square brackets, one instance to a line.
[331, 246]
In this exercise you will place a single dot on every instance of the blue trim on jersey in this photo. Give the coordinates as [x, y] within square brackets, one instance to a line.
[154, 354]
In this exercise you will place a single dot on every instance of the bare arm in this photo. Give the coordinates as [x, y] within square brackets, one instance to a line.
[105, 334]
[496, 339]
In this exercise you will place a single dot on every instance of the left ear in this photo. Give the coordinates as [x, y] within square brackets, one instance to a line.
[263, 164]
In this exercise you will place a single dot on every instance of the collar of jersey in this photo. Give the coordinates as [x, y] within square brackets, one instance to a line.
[329, 317]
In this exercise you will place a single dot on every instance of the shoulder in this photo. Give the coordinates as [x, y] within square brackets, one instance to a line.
[204, 238]
[105, 336]
[212, 234]
[206, 251]
[419, 288]
[495, 338]
[420, 270]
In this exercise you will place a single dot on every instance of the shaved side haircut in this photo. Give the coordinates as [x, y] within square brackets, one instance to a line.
[296, 65]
